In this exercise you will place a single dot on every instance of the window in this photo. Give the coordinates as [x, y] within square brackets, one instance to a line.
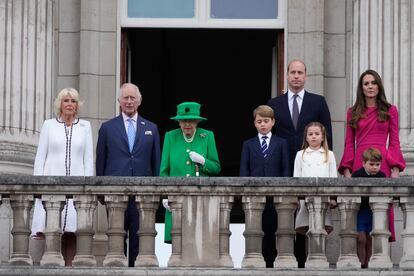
[203, 13]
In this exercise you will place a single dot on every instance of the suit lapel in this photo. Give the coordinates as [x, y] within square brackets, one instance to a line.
[304, 109]
[257, 146]
[139, 133]
[272, 145]
[286, 111]
[121, 129]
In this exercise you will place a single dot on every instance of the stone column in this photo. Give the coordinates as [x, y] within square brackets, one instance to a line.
[226, 202]
[407, 207]
[382, 40]
[253, 209]
[380, 246]
[26, 79]
[348, 209]
[317, 206]
[116, 205]
[53, 233]
[85, 207]
[147, 206]
[21, 205]
[285, 208]
[176, 205]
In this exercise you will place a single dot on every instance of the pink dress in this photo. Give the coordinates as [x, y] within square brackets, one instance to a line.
[372, 133]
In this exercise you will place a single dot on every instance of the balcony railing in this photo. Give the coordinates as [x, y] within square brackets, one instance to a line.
[201, 216]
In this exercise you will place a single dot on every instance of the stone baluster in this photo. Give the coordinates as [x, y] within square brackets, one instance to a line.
[176, 205]
[348, 209]
[116, 205]
[53, 232]
[285, 235]
[380, 234]
[253, 209]
[85, 207]
[21, 205]
[407, 207]
[226, 202]
[147, 206]
[317, 206]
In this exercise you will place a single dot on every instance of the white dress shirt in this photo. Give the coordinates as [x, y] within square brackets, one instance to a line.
[269, 135]
[299, 100]
[126, 122]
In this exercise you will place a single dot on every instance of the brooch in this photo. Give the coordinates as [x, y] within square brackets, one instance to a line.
[203, 135]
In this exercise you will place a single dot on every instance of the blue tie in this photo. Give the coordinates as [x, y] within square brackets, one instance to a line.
[131, 134]
[264, 146]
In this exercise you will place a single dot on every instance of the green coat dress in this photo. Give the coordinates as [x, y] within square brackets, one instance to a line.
[175, 160]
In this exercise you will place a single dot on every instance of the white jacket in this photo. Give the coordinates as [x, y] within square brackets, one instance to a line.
[54, 158]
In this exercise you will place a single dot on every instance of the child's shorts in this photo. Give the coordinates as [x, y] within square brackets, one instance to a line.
[364, 220]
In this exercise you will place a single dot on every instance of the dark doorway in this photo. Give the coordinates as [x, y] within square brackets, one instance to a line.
[227, 71]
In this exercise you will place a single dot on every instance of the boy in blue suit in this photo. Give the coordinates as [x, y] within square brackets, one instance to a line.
[266, 155]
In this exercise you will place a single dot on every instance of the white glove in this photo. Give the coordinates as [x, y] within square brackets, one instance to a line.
[197, 158]
[165, 204]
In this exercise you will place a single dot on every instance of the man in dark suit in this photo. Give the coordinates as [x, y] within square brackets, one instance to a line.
[293, 111]
[129, 145]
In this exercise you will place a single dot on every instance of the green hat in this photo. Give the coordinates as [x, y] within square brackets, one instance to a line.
[188, 111]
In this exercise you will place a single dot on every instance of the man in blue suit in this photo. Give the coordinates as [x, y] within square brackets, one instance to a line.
[129, 145]
[294, 110]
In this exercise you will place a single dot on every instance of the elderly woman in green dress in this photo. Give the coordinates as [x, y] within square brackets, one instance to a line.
[188, 151]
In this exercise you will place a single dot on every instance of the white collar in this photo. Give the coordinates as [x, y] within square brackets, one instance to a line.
[268, 135]
[134, 118]
[300, 94]
[308, 149]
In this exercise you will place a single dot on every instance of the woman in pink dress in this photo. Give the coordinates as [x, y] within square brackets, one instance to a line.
[371, 121]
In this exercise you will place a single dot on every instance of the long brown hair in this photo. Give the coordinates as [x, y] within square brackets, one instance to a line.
[324, 145]
[360, 107]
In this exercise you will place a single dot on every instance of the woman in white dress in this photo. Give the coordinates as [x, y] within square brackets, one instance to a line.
[65, 148]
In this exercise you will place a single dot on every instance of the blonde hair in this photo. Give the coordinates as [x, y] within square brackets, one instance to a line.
[71, 92]
[324, 145]
[264, 111]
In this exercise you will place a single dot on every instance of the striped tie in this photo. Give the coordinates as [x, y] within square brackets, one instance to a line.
[264, 146]
[131, 134]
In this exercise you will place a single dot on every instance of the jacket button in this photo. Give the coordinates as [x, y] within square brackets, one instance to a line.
[188, 162]
[187, 175]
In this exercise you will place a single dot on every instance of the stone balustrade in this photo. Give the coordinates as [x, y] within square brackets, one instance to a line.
[201, 216]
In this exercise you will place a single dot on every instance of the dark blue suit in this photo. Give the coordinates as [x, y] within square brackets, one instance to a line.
[314, 109]
[114, 158]
[276, 163]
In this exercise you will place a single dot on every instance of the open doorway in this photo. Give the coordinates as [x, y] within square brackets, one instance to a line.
[228, 71]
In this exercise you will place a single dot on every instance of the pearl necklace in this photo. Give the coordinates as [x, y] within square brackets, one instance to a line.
[189, 140]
